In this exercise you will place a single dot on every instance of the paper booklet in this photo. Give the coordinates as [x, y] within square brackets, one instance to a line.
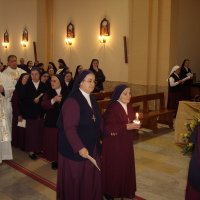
[40, 95]
[22, 123]
[186, 78]
[93, 161]
[189, 74]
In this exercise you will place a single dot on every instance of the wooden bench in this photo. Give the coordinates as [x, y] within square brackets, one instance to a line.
[153, 110]
[103, 104]
[102, 95]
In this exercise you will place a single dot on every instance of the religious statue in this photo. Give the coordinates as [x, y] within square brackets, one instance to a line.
[105, 27]
[6, 37]
[70, 30]
[25, 35]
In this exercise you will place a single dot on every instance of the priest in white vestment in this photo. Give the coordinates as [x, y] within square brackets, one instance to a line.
[10, 76]
[5, 140]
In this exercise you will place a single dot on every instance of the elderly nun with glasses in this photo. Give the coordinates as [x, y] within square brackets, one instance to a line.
[79, 140]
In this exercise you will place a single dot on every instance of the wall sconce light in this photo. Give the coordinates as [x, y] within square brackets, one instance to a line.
[5, 42]
[24, 41]
[68, 41]
[104, 30]
[70, 34]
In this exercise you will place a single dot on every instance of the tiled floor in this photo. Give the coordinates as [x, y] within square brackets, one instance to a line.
[160, 167]
[17, 186]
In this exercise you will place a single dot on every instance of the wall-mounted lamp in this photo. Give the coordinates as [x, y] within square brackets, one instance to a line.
[104, 30]
[24, 41]
[68, 41]
[5, 42]
[70, 34]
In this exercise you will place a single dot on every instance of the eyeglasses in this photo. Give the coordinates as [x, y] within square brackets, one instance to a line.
[90, 81]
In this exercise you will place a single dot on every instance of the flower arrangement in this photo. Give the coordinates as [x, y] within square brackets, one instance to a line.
[187, 137]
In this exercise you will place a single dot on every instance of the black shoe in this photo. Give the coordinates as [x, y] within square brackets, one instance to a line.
[33, 156]
[108, 197]
[54, 165]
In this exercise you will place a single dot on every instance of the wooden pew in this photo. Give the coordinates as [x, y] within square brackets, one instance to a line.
[151, 108]
[153, 113]
[102, 95]
[103, 104]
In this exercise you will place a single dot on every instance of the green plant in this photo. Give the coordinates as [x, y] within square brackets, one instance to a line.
[188, 146]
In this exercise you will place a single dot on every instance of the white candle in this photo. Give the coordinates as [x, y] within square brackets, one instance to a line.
[137, 116]
[136, 121]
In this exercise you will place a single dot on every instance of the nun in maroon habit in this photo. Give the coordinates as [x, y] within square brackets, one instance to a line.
[118, 165]
[52, 103]
[193, 183]
[79, 136]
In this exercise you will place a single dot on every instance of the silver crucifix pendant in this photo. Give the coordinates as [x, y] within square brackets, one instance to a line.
[93, 118]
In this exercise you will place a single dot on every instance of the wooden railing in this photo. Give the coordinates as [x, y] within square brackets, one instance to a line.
[151, 108]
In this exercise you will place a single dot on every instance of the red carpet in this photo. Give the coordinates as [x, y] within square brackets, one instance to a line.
[31, 174]
[37, 177]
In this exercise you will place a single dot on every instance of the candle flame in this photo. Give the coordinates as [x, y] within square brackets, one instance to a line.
[137, 116]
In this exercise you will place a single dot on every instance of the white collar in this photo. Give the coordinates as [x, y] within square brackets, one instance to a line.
[186, 68]
[124, 106]
[176, 74]
[87, 96]
[58, 91]
[36, 84]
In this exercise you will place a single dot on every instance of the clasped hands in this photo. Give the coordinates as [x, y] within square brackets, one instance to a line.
[57, 98]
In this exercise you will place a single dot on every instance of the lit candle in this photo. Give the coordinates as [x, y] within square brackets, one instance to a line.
[137, 116]
[136, 121]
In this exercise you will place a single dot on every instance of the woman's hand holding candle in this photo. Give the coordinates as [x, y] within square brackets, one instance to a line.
[135, 125]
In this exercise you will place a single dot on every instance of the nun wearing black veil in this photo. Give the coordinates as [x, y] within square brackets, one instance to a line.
[118, 163]
[79, 136]
[193, 182]
[52, 104]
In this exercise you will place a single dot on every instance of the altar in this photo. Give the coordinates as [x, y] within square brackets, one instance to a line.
[186, 112]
